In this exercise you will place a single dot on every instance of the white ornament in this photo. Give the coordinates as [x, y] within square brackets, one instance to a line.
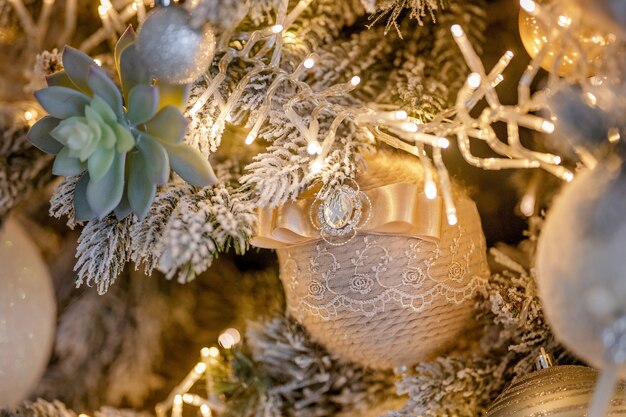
[173, 50]
[384, 300]
[581, 269]
[27, 315]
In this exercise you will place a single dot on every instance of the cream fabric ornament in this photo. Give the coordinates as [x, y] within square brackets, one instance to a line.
[558, 391]
[387, 300]
[580, 261]
[27, 315]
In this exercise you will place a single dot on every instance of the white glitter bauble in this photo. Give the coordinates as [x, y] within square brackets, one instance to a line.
[172, 50]
[27, 315]
[581, 261]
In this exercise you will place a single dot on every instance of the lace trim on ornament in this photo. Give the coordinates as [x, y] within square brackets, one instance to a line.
[416, 274]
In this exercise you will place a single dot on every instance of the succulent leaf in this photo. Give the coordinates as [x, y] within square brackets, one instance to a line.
[62, 102]
[106, 193]
[82, 211]
[67, 165]
[125, 140]
[123, 209]
[142, 104]
[104, 88]
[132, 70]
[141, 190]
[76, 65]
[60, 79]
[190, 164]
[175, 95]
[100, 162]
[39, 135]
[127, 38]
[168, 125]
[159, 167]
[104, 110]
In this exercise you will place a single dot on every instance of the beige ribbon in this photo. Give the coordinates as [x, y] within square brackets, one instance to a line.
[397, 209]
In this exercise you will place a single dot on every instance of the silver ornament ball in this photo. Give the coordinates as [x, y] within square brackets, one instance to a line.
[172, 49]
[580, 262]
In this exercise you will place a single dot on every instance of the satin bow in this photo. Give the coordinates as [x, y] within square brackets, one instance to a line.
[397, 209]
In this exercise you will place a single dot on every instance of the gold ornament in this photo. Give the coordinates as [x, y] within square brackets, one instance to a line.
[559, 391]
[586, 39]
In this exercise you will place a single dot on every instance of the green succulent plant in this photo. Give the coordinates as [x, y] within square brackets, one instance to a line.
[121, 143]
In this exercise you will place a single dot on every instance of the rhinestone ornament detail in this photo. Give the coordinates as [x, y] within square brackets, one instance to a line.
[340, 213]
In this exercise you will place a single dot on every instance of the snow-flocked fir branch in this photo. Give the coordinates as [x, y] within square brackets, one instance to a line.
[465, 382]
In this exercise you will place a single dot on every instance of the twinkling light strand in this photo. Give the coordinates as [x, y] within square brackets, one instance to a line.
[181, 394]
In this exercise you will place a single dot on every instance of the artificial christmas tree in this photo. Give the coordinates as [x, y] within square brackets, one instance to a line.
[335, 133]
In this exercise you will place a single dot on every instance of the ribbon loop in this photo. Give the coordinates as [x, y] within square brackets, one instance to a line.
[397, 209]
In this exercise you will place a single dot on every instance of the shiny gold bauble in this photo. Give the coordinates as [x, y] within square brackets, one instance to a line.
[559, 391]
[590, 39]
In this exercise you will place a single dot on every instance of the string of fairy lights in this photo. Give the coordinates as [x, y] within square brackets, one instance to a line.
[380, 123]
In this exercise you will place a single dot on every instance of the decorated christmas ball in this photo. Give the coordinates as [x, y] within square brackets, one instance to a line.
[580, 262]
[172, 49]
[402, 289]
[589, 37]
[558, 391]
[27, 315]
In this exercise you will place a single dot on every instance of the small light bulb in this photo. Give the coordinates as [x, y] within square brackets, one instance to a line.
[527, 205]
[277, 28]
[250, 138]
[205, 410]
[509, 54]
[234, 333]
[430, 190]
[355, 80]
[226, 340]
[28, 115]
[228, 118]
[409, 127]
[200, 368]
[205, 352]
[564, 21]
[102, 10]
[99, 62]
[188, 398]
[314, 148]
[83, 415]
[556, 160]
[214, 352]
[528, 5]
[457, 30]
[308, 63]
[443, 143]
[178, 400]
[474, 80]
[316, 166]
[547, 126]
[569, 176]
[452, 219]
[400, 115]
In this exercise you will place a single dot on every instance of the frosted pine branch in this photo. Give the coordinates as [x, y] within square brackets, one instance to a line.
[103, 249]
[146, 234]
[62, 201]
[201, 226]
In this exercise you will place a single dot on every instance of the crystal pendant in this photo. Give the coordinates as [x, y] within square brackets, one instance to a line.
[339, 213]
[338, 209]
